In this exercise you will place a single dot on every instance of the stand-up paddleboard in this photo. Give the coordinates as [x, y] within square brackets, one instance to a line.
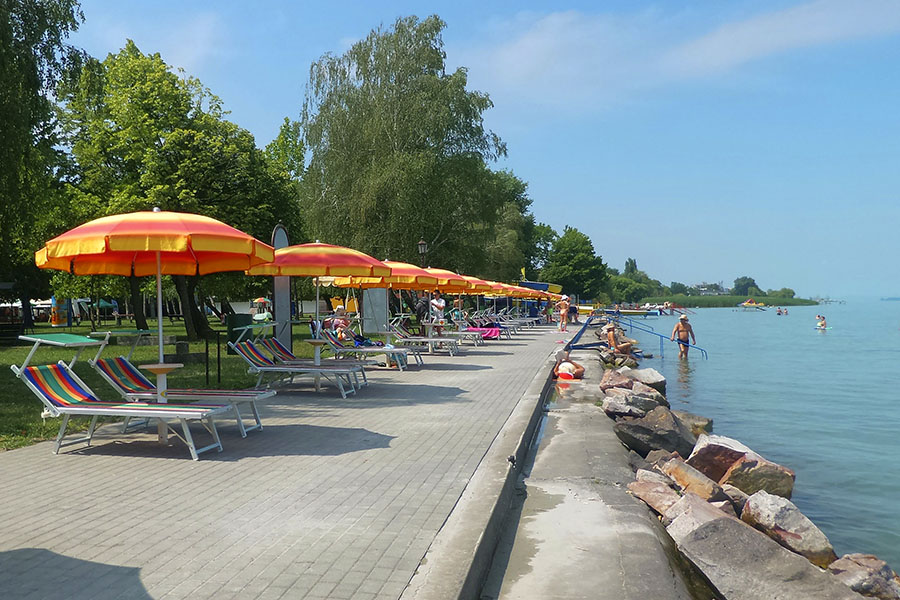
[822, 328]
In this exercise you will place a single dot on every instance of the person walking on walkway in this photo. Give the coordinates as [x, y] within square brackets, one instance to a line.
[563, 306]
[685, 334]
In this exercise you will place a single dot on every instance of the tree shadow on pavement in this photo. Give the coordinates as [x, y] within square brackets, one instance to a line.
[41, 573]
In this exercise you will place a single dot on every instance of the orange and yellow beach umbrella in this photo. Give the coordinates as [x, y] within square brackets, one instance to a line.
[320, 260]
[403, 276]
[126, 244]
[153, 242]
[448, 281]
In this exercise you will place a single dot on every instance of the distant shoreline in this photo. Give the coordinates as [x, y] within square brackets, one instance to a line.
[726, 301]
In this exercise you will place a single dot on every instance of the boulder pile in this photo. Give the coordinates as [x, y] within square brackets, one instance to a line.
[728, 508]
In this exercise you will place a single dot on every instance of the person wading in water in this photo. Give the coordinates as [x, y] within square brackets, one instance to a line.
[684, 332]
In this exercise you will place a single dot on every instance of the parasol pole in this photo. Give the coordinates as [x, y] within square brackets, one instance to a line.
[159, 323]
[316, 326]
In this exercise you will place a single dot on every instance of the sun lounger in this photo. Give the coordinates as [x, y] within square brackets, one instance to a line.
[132, 385]
[282, 355]
[64, 394]
[399, 354]
[261, 365]
[450, 343]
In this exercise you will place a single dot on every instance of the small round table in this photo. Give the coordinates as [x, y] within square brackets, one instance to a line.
[161, 370]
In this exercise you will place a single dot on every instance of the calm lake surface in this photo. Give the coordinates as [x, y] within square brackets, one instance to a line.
[823, 403]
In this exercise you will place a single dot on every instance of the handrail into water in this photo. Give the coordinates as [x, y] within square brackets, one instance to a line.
[662, 338]
[575, 345]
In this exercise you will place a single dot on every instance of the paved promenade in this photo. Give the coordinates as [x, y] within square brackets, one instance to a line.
[333, 499]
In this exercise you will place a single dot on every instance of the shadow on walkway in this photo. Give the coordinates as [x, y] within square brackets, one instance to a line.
[40, 573]
[273, 440]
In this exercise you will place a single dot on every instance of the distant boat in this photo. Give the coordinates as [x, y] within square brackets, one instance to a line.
[751, 304]
[634, 312]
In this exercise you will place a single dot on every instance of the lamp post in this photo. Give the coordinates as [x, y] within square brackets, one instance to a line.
[423, 250]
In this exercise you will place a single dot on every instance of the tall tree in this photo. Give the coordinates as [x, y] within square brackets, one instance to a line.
[574, 265]
[33, 55]
[742, 286]
[144, 136]
[397, 149]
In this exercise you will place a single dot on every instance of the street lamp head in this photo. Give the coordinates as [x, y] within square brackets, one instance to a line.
[423, 247]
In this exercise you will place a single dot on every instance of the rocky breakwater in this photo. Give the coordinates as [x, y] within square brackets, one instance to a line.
[726, 507]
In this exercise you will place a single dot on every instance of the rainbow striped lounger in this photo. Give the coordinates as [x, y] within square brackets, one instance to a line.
[260, 365]
[64, 394]
[133, 386]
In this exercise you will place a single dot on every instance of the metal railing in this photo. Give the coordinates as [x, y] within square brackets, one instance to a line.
[647, 329]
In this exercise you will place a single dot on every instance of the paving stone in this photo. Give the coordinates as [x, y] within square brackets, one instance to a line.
[330, 491]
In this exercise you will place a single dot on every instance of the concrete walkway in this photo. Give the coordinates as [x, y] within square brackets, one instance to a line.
[333, 499]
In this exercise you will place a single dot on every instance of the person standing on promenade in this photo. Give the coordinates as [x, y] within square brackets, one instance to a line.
[685, 333]
[563, 306]
[438, 305]
[421, 311]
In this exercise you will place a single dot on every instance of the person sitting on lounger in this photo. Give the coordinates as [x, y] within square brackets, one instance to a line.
[566, 368]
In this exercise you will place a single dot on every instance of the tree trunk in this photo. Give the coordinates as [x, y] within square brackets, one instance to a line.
[137, 303]
[182, 288]
[27, 316]
[198, 317]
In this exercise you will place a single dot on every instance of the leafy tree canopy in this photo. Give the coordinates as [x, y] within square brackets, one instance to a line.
[742, 286]
[398, 150]
[33, 55]
[573, 264]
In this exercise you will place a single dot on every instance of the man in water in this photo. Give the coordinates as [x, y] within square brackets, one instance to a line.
[821, 324]
[685, 334]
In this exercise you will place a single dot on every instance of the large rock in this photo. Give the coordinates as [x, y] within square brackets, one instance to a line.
[647, 376]
[753, 473]
[726, 460]
[658, 496]
[658, 430]
[741, 562]
[648, 392]
[868, 575]
[713, 455]
[614, 379]
[738, 498]
[622, 402]
[620, 407]
[782, 521]
[692, 480]
[654, 477]
[699, 425]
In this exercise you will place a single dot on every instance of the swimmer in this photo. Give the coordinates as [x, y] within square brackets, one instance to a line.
[685, 333]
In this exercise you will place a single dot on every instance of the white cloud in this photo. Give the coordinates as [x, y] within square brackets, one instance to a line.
[807, 25]
[190, 45]
[576, 61]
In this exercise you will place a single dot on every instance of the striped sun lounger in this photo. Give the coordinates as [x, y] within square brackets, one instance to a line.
[260, 365]
[65, 395]
[282, 355]
[399, 354]
[133, 385]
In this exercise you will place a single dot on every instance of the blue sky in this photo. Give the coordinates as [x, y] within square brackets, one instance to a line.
[708, 140]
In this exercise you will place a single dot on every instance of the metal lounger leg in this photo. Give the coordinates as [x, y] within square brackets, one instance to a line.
[61, 434]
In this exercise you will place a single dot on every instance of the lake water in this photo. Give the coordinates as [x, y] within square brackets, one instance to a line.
[823, 403]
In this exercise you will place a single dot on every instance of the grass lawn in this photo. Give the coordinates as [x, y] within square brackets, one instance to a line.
[20, 410]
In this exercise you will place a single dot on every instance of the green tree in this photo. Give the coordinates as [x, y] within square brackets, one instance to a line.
[573, 264]
[397, 150]
[742, 286]
[626, 289]
[540, 238]
[143, 136]
[782, 293]
[678, 288]
[631, 268]
[33, 55]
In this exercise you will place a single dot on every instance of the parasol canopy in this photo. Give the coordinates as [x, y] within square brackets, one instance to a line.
[317, 260]
[126, 244]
